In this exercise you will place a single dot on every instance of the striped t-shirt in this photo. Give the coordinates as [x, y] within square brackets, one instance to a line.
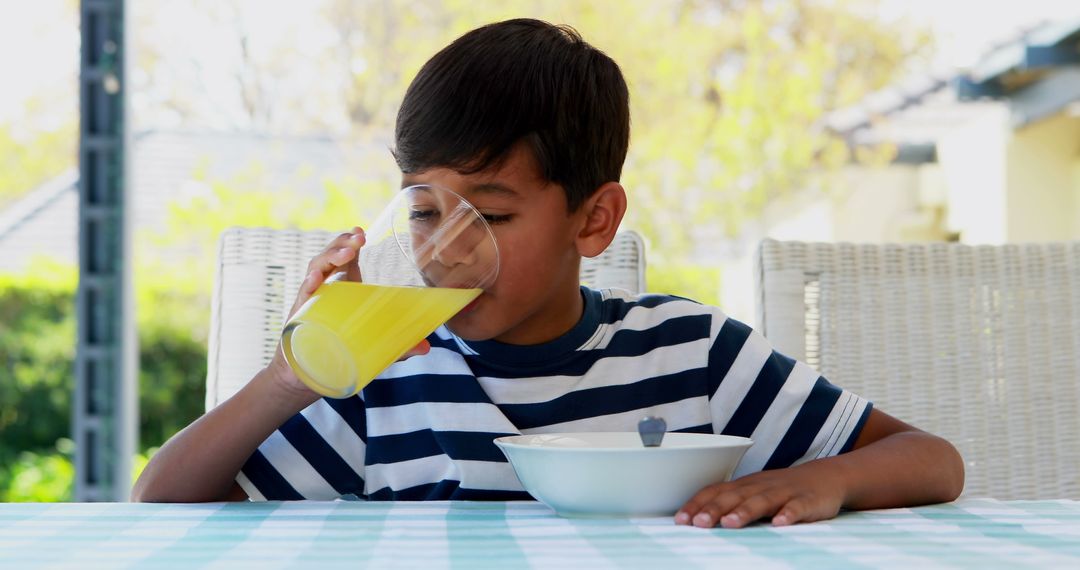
[423, 429]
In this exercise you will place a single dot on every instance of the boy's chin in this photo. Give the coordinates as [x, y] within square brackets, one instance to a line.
[466, 328]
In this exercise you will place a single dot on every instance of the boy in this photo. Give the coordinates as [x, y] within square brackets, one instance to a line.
[532, 124]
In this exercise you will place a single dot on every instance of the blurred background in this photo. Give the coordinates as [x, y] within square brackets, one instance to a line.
[832, 120]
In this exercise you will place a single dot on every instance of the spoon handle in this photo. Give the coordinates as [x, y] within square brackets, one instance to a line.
[652, 429]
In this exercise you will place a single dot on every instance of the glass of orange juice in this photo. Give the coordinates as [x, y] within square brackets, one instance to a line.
[427, 256]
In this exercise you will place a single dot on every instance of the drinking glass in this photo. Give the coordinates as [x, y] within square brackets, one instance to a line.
[427, 256]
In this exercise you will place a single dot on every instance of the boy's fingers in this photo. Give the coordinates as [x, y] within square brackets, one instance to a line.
[746, 500]
[794, 511]
[311, 283]
[721, 504]
[335, 257]
[419, 350]
[693, 506]
[352, 272]
[358, 240]
[307, 288]
[805, 508]
[338, 257]
[748, 511]
[340, 252]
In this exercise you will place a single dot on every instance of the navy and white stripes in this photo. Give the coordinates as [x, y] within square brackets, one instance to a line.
[424, 428]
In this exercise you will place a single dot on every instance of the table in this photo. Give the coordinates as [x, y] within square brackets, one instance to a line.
[349, 534]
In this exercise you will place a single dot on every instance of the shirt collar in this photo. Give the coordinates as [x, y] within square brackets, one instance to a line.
[495, 352]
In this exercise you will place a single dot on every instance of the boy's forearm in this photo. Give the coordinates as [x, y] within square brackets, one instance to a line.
[201, 462]
[902, 469]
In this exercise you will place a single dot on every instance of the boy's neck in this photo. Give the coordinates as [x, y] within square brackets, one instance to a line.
[563, 312]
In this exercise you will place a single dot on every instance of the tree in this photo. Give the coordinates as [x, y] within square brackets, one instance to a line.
[726, 95]
[31, 156]
[39, 104]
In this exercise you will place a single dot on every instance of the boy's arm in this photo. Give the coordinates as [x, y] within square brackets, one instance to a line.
[201, 462]
[891, 464]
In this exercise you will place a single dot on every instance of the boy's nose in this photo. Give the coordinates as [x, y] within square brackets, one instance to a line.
[454, 252]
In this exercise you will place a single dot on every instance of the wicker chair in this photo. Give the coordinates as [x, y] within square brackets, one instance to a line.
[977, 344]
[259, 271]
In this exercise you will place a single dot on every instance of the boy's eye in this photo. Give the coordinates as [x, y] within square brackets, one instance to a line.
[421, 215]
[494, 219]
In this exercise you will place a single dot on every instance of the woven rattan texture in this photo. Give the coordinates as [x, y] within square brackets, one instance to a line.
[978, 344]
[259, 271]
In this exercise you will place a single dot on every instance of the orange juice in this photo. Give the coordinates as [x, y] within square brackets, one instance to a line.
[347, 332]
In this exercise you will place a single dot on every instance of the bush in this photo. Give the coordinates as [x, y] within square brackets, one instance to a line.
[37, 353]
[698, 282]
[172, 380]
[41, 477]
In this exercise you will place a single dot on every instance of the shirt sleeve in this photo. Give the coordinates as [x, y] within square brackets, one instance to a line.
[317, 454]
[791, 412]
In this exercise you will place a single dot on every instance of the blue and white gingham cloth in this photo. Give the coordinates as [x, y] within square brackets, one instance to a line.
[968, 534]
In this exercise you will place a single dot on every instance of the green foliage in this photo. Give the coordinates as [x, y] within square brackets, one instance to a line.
[140, 461]
[726, 97]
[693, 281]
[50, 476]
[40, 477]
[172, 376]
[30, 157]
[727, 100]
[250, 199]
[37, 351]
[37, 348]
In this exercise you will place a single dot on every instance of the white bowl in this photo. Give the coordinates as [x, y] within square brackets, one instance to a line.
[611, 474]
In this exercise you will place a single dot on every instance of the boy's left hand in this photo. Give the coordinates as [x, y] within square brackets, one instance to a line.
[796, 494]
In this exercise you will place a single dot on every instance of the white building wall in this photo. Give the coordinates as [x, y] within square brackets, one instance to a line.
[794, 218]
[974, 165]
[992, 184]
[1076, 194]
[876, 204]
[863, 204]
[1041, 196]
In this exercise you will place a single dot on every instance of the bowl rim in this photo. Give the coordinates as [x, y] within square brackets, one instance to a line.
[728, 442]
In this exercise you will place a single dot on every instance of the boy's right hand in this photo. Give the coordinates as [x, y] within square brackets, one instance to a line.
[341, 256]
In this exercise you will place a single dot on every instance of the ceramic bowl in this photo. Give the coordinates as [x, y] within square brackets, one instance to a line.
[611, 474]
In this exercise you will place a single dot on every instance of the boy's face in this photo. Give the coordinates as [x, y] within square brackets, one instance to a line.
[535, 297]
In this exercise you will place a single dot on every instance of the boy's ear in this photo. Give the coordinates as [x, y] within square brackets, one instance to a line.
[601, 215]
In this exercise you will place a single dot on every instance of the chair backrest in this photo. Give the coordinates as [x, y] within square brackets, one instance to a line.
[978, 344]
[259, 271]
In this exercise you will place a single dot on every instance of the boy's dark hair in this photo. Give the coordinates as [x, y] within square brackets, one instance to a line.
[518, 80]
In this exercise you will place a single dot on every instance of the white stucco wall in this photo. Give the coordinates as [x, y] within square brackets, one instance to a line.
[1076, 194]
[992, 183]
[875, 204]
[1041, 181]
[802, 217]
[863, 204]
[974, 166]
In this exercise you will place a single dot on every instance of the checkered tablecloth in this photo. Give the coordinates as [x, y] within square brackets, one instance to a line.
[970, 534]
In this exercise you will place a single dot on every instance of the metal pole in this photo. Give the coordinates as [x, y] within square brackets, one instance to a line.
[104, 410]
